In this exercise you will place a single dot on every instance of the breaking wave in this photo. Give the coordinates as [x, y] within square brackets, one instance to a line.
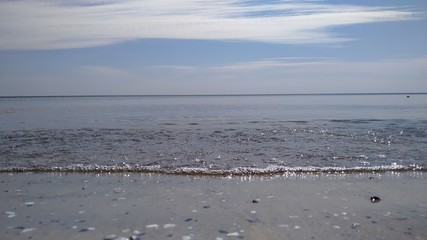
[238, 171]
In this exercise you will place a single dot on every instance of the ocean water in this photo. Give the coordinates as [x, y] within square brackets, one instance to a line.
[253, 134]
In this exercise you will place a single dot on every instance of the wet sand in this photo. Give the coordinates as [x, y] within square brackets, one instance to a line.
[153, 206]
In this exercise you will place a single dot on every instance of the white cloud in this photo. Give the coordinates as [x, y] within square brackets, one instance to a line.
[304, 75]
[316, 68]
[30, 24]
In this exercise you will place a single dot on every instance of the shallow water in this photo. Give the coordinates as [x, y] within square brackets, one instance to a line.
[214, 134]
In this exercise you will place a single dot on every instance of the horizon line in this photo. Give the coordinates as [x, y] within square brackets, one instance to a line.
[213, 95]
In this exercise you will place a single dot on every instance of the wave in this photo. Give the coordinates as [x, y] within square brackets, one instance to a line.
[238, 171]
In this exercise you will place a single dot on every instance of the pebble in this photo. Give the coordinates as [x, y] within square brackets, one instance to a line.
[375, 199]
[253, 219]
[87, 229]
[110, 237]
[29, 204]
[10, 214]
[186, 237]
[233, 234]
[155, 226]
[122, 238]
[27, 230]
[256, 200]
[355, 225]
[169, 225]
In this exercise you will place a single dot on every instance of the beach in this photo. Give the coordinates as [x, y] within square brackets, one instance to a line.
[162, 206]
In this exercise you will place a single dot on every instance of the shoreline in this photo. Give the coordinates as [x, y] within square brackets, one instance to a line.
[271, 170]
[163, 206]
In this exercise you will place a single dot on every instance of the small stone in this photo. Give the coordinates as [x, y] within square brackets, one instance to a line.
[27, 230]
[375, 199]
[29, 204]
[355, 225]
[233, 234]
[87, 229]
[121, 238]
[254, 219]
[256, 200]
[169, 225]
[110, 237]
[155, 226]
[10, 214]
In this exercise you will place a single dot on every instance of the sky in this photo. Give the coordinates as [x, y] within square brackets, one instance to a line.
[156, 47]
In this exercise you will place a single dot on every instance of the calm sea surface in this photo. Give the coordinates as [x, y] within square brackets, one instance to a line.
[214, 134]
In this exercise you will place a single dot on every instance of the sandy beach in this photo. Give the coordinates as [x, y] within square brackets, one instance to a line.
[153, 206]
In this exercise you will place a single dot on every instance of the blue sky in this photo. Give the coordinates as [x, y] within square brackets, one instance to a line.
[97, 47]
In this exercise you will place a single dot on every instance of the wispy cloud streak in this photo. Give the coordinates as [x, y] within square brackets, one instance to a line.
[303, 75]
[316, 67]
[30, 24]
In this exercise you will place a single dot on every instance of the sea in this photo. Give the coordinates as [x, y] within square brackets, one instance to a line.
[215, 134]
